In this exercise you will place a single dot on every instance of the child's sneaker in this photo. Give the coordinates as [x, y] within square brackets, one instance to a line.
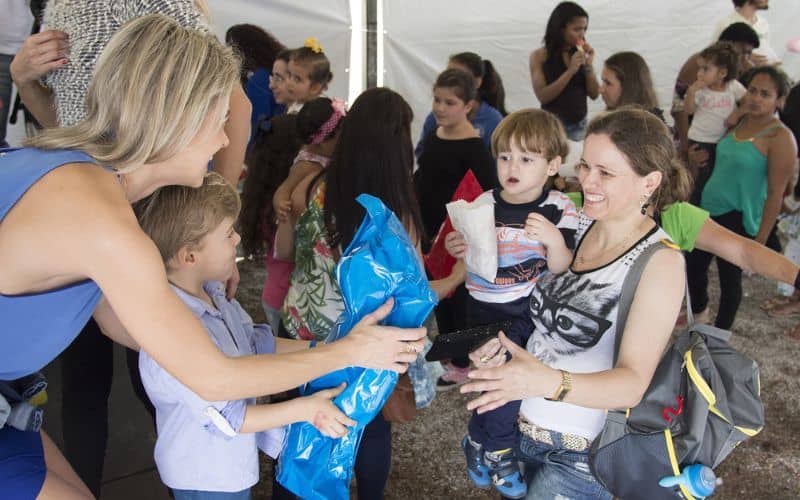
[476, 469]
[505, 473]
[453, 377]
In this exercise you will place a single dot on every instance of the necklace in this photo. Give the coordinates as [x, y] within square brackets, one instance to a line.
[581, 260]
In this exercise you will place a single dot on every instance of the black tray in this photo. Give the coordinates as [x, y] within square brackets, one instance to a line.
[460, 343]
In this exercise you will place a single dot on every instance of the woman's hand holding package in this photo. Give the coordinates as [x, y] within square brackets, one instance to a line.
[522, 377]
[371, 345]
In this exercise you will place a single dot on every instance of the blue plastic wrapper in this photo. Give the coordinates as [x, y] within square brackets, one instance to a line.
[379, 263]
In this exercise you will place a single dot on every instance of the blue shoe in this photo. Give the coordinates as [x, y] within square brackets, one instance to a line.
[505, 474]
[476, 469]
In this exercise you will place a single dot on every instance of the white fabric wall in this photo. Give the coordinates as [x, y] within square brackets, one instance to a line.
[421, 34]
[291, 22]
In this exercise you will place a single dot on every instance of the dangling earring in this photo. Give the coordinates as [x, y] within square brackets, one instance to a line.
[644, 202]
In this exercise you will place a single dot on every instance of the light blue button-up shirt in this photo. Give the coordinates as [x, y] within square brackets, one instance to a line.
[198, 446]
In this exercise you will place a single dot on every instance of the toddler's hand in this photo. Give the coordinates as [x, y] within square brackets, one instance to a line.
[537, 227]
[283, 209]
[697, 85]
[325, 416]
[456, 244]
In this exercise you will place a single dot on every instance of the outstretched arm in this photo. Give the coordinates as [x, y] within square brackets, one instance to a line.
[745, 253]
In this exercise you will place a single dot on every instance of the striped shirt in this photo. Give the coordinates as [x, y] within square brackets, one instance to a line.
[521, 260]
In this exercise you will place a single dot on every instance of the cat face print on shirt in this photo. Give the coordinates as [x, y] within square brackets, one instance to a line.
[569, 315]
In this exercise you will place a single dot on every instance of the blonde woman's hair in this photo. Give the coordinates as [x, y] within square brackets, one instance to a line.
[178, 216]
[154, 85]
[533, 130]
[202, 8]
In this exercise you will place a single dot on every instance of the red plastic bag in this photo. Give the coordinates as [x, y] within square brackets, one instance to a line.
[438, 262]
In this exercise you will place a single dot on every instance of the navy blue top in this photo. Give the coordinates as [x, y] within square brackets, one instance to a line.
[36, 327]
[262, 100]
[485, 120]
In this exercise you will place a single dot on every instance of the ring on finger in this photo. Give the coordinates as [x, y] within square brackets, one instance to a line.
[411, 348]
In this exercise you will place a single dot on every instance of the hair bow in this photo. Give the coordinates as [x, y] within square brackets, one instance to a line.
[313, 44]
[325, 130]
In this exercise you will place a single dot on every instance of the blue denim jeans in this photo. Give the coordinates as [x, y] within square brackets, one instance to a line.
[211, 495]
[553, 472]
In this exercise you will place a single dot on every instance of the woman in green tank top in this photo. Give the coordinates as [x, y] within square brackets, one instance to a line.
[753, 165]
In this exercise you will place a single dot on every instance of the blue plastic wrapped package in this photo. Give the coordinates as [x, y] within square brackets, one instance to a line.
[379, 263]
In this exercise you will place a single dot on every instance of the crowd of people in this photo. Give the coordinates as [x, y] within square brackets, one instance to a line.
[149, 123]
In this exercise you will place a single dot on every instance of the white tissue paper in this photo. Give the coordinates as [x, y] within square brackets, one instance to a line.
[476, 222]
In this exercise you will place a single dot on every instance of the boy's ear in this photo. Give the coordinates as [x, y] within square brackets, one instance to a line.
[553, 166]
[184, 257]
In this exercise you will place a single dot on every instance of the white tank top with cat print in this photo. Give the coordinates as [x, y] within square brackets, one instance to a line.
[574, 316]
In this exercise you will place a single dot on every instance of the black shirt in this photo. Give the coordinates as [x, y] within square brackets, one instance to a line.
[442, 165]
[570, 105]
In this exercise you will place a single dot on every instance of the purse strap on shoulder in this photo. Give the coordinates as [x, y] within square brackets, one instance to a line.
[629, 285]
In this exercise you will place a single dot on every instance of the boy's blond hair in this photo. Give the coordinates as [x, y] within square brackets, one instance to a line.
[178, 216]
[533, 130]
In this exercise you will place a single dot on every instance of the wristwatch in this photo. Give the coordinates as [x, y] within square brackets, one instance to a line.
[564, 388]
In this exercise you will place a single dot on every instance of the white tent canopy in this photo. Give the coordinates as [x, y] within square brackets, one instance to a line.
[417, 36]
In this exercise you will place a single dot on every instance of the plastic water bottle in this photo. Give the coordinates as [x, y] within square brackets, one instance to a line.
[699, 479]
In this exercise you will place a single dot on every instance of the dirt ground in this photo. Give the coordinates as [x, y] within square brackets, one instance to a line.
[428, 463]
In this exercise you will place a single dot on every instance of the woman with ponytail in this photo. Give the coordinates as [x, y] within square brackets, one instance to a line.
[489, 105]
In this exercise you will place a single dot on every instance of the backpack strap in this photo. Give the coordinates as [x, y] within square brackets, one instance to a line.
[629, 285]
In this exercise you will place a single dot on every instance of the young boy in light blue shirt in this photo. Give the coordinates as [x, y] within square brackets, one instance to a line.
[209, 449]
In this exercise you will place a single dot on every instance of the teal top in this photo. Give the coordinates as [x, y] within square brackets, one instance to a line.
[739, 180]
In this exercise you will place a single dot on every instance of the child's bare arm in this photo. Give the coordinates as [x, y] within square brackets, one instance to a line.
[688, 104]
[284, 236]
[283, 194]
[445, 286]
[317, 409]
[284, 239]
[559, 256]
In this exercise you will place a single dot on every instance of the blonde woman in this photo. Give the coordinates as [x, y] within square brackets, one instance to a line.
[52, 71]
[70, 246]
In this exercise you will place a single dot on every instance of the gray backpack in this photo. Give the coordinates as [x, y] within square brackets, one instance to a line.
[703, 401]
